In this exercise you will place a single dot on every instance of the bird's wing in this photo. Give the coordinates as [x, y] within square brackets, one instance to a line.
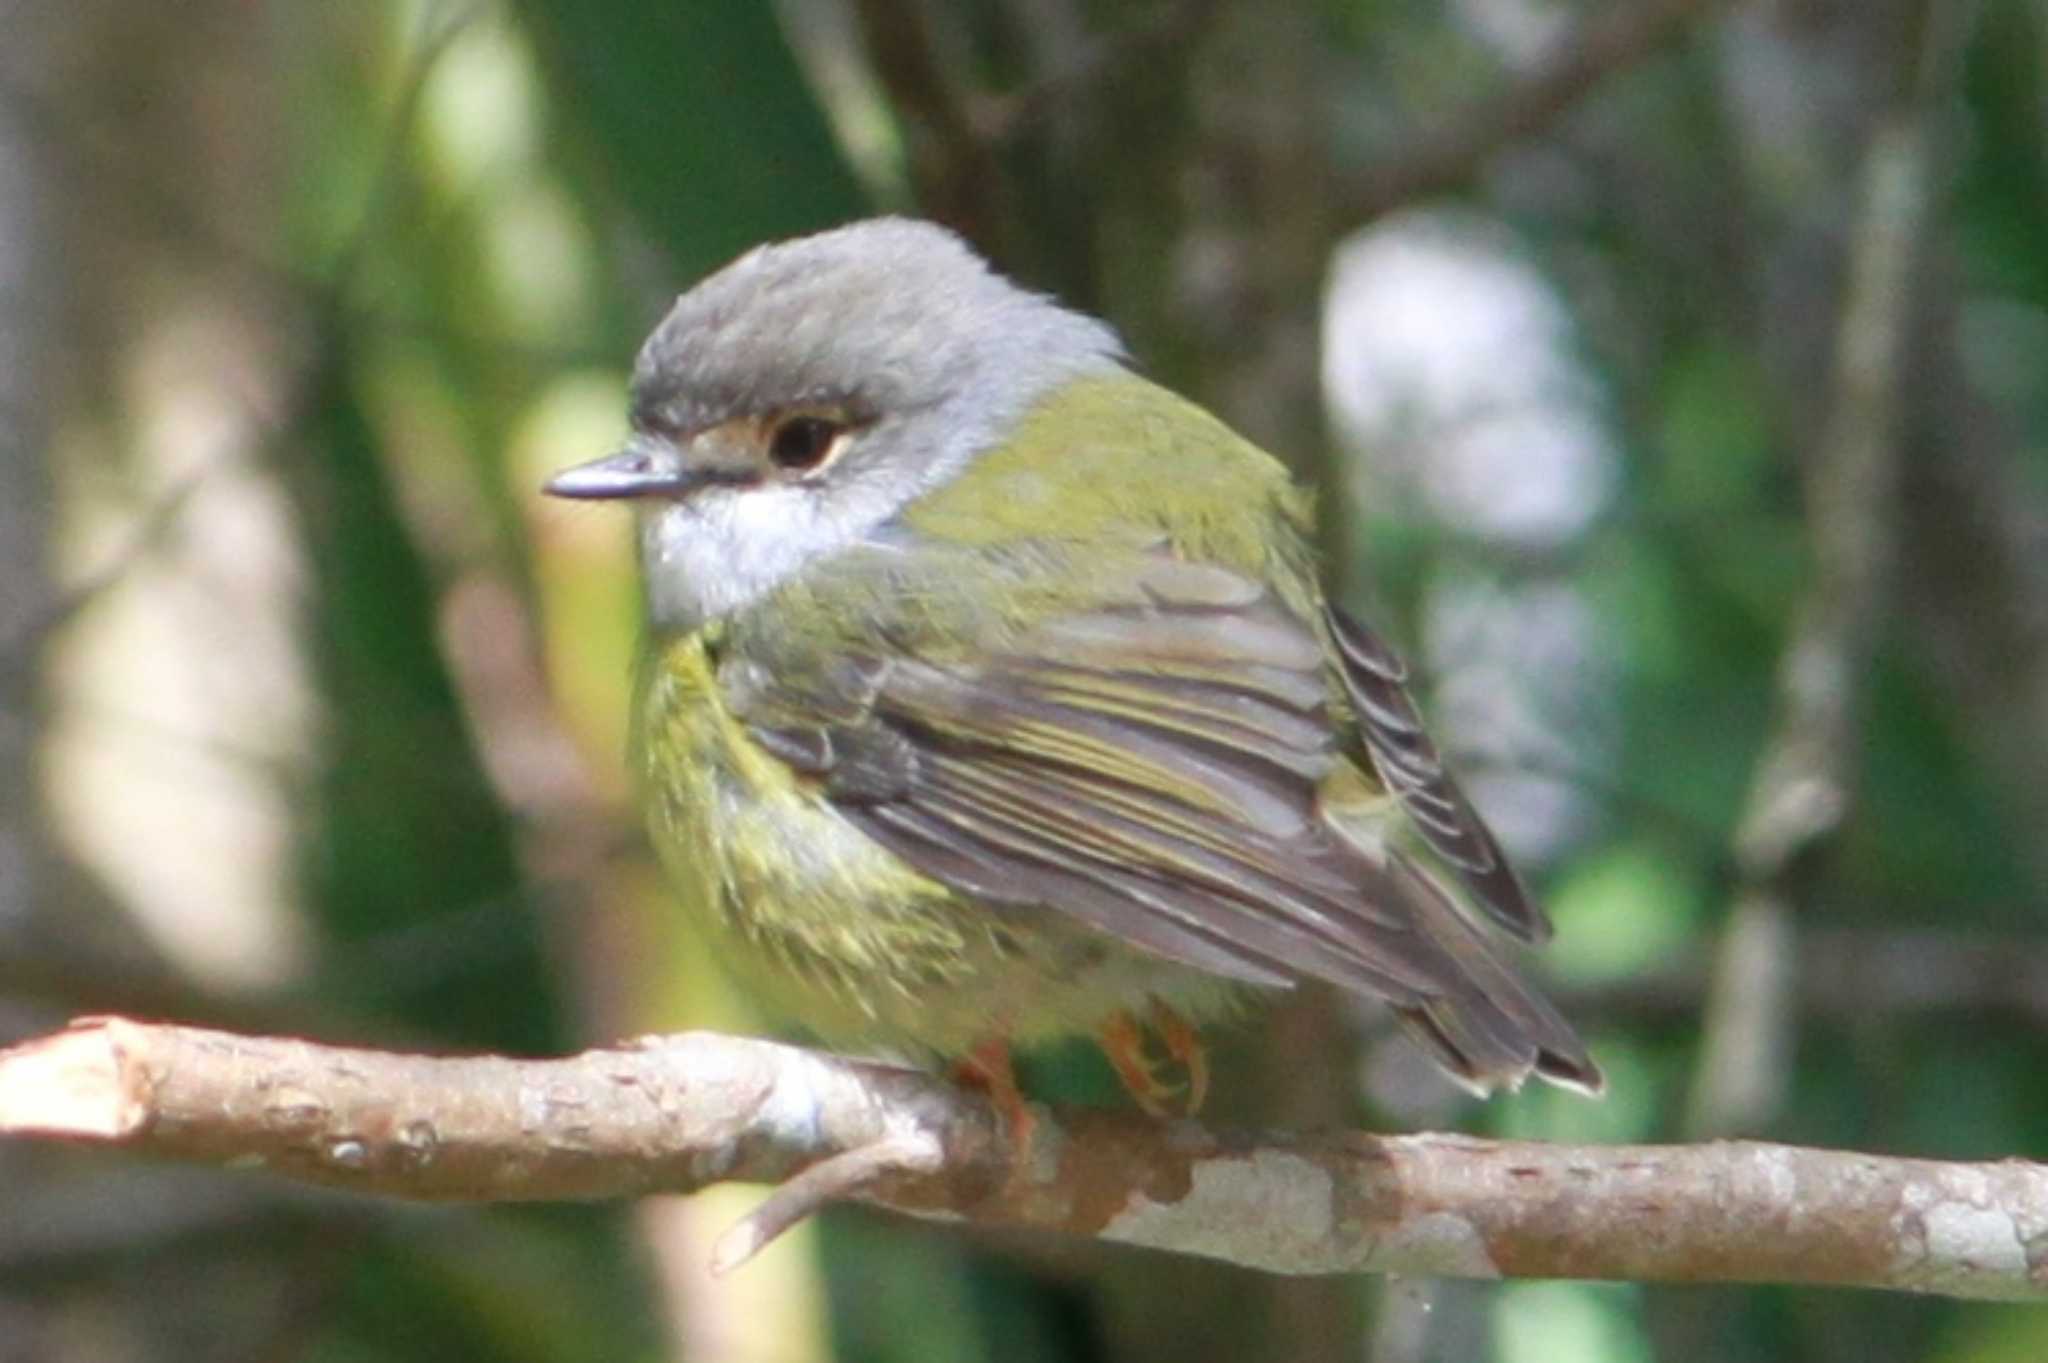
[1402, 752]
[1153, 768]
[1150, 768]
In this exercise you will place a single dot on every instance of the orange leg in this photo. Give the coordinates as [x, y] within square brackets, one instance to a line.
[987, 1068]
[1123, 1041]
[1184, 1044]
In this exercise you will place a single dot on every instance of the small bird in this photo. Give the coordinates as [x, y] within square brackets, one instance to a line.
[991, 694]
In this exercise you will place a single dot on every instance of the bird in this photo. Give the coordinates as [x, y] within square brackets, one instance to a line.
[991, 693]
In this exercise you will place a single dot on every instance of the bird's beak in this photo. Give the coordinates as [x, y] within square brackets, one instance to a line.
[650, 466]
[635, 471]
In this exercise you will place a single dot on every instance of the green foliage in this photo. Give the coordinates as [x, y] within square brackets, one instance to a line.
[702, 120]
[506, 1287]
[402, 825]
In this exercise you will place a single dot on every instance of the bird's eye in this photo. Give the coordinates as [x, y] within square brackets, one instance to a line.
[802, 442]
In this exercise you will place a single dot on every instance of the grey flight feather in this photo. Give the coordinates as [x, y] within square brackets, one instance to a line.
[1406, 759]
[1219, 857]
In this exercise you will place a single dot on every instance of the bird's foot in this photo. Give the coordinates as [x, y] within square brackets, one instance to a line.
[1184, 1043]
[1123, 1041]
[987, 1068]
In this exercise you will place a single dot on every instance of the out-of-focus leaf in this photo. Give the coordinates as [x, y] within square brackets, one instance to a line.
[1995, 1334]
[702, 118]
[407, 851]
[2005, 216]
[897, 1297]
[506, 1286]
[1585, 1322]
[1625, 909]
[1713, 438]
[1928, 860]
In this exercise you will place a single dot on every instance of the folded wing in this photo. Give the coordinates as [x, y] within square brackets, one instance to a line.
[1154, 768]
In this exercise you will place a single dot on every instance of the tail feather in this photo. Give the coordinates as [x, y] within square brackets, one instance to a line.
[1484, 1025]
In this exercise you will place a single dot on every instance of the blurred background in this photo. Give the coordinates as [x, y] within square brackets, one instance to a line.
[1676, 374]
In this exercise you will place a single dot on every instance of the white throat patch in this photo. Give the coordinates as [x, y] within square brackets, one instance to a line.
[726, 548]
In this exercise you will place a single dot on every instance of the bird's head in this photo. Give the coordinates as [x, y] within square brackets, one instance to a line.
[792, 403]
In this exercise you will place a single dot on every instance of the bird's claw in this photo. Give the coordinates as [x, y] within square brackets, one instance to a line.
[1123, 1042]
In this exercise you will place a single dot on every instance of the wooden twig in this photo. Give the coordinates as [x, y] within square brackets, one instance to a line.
[681, 1112]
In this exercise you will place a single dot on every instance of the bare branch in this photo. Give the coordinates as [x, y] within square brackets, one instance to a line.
[1619, 35]
[678, 1113]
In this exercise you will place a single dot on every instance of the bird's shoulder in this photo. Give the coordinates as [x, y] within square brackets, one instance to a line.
[1121, 461]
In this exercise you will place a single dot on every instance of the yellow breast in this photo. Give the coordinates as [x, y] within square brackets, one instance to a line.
[816, 920]
[823, 925]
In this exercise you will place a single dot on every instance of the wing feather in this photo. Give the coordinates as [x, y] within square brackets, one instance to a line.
[1407, 760]
[1246, 890]
[1154, 768]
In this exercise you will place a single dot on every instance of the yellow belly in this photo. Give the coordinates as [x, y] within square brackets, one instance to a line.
[823, 925]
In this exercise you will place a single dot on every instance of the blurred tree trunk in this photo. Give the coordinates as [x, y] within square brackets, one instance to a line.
[29, 337]
[1980, 599]
[30, 301]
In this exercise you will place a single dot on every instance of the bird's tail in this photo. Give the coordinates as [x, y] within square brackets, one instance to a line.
[1484, 1025]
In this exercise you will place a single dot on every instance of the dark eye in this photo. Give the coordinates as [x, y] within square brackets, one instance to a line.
[802, 442]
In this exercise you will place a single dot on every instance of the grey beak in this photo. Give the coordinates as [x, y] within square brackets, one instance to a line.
[632, 472]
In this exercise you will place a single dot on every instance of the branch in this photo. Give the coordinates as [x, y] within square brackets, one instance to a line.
[1618, 36]
[678, 1113]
